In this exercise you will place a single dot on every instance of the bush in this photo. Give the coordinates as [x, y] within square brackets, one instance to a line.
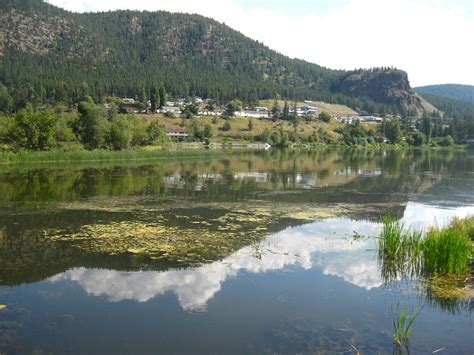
[227, 126]
[120, 135]
[325, 117]
[156, 133]
[35, 129]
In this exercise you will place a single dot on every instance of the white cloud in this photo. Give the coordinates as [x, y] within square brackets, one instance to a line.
[429, 39]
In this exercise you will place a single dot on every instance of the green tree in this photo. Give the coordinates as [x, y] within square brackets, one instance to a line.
[324, 116]
[154, 98]
[227, 126]
[264, 137]
[250, 125]
[35, 129]
[295, 108]
[233, 106]
[416, 139]
[93, 125]
[427, 126]
[120, 134]
[275, 109]
[162, 95]
[393, 131]
[286, 110]
[207, 131]
[6, 101]
[143, 96]
[157, 133]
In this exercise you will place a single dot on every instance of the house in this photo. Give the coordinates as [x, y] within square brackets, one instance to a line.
[129, 107]
[177, 133]
[251, 114]
[170, 109]
[205, 112]
[370, 119]
[128, 100]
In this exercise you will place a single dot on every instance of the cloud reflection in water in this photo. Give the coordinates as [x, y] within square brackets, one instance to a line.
[326, 245]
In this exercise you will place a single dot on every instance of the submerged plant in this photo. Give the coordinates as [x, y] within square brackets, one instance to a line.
[402, 326]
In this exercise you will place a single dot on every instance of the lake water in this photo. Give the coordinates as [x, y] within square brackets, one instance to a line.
[266, 252]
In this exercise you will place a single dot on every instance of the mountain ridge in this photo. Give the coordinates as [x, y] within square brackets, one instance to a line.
[460, 92]
[48, 49]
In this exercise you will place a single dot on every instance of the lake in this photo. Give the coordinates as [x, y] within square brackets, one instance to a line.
[257, 252]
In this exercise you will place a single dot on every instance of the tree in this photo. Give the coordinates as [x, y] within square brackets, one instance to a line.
[93, 124]
[162, 95]
[286, 110]
[325, 117]
[275, 109]
[416, 138]
[227, 126]
[426, 126]
[250, 125]
[143, 96]
[6, 101]
[233, 106]
[157, 133]
[35, 129]
[207, 131]
[393, 131]
[295, 108]
[265, 136]
[154, 98]
[120, 134]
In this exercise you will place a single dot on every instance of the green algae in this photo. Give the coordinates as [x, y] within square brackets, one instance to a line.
[183, 235]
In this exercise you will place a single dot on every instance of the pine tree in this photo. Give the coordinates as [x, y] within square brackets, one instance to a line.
[154, 98]
[162, 95]
[286, 110]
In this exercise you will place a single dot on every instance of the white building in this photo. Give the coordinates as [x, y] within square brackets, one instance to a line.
[251, 114]
[170, 109]
[177, 133]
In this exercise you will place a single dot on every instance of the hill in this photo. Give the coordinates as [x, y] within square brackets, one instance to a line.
[453, 91]
[49, 54]
[387, 86]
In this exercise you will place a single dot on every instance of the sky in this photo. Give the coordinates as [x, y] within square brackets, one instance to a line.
[430, 39]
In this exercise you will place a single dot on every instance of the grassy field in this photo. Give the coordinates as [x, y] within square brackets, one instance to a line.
[336, 110]
[239, 126]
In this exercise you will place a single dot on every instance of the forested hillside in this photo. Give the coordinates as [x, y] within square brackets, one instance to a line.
[453, 91]
[49, 54]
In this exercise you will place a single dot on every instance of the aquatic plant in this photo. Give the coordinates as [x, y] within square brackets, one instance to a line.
[402, 326]
[446, 251]
[399, 250]
[415, 253]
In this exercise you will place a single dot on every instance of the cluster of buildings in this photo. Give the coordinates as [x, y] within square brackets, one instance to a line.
[206, 107]
[352, 119]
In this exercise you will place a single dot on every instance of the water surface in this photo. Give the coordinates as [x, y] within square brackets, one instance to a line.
[267, 252]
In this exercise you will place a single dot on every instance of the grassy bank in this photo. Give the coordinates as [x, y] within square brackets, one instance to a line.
[34, 157]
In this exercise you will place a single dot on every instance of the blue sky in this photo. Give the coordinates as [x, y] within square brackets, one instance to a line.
[430, 39]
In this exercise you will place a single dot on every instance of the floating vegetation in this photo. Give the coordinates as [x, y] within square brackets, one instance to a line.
[182, 235]
[452, 294]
